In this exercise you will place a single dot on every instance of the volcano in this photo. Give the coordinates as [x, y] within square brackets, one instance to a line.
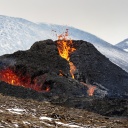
[41, 73]
[34, 67]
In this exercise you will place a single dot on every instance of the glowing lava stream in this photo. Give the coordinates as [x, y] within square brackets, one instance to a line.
[65, 48]
[9, 76]
[91, 88]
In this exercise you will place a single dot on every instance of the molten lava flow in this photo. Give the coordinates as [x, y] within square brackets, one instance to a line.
[72, 69]
[91, 88]
[65, 48]
[10, 77]
[61, 73]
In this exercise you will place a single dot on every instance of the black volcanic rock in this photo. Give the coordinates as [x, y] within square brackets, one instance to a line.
[92, 67]
[43, 57]
[104, 106]
[95, 68]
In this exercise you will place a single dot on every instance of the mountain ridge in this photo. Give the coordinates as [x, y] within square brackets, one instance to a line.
[20, 34]
[123, 45]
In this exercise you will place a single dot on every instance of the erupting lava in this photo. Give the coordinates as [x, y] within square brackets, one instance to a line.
[39, 83]
[65, 48]
[10, 77]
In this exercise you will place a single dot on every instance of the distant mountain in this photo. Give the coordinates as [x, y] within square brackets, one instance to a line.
[123, 45]
[20, 34]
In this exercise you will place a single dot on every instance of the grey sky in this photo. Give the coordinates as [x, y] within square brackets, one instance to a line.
[107, 19]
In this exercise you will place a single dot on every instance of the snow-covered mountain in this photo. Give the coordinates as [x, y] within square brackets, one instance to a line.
[123, 45]
[20, 34]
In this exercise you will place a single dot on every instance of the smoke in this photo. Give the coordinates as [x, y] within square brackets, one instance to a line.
[7, 62]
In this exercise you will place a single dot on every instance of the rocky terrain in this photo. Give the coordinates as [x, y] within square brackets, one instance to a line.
[49, 99]
[28, 113]
[103, 106]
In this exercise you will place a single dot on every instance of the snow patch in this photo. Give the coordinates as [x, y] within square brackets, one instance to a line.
[69, 125]
[16, 125]
[1, 111]
[126, 50]
[45, 118]
[2, 126]
[16, 111]
[25, 122]
[60, 123]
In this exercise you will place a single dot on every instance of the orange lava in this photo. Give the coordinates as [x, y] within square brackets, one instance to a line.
[65, 48]
[72, 69]
[10, 77]
[61, 73]
[91, 88]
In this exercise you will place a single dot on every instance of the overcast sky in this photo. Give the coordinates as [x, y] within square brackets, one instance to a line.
[107, 19]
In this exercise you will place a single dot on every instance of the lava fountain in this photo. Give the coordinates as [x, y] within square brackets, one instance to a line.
[65, 48]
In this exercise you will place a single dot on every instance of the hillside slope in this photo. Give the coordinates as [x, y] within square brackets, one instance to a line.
[20, 34]
[123, 45]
